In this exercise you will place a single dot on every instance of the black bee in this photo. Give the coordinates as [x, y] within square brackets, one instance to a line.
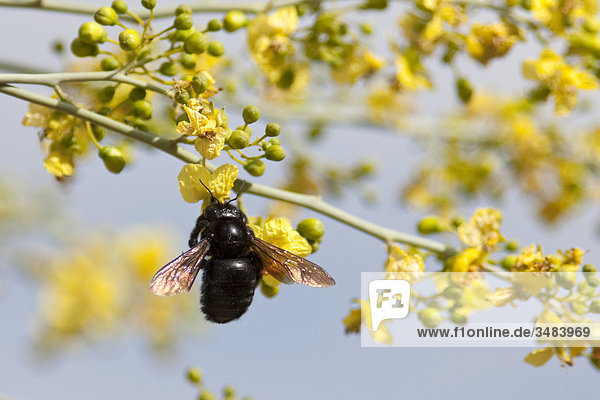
[233, 260]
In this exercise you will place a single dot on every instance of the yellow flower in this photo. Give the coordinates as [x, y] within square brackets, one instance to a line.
[467, 260]
[210, 134]
[562, 80]
[353, 321]
[400, 265]
[502, 297]
[410, 74]
[220, 182]
[555, 14]
[269, 41]
[359, 63]
[279, 231]
[486, 42]
[60, 164]
[483, 229]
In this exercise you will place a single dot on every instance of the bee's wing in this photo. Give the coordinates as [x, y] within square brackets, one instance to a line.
[179, 275]
[289, 268]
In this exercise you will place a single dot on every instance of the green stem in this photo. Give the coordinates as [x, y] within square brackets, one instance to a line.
[53, 79]
[307, 201]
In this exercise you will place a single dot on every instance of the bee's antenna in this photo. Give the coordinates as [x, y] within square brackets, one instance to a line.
[244, 184]
[212, 196]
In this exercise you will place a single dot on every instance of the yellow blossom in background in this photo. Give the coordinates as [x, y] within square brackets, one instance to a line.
[386, 104]
[467, 260]
[562, 80]
[531, 258]
[359, 63]
[556, 14]
[483, 229]
[382, 334]
[476, 296]
[352, 321]
[220, 182]
[279, 231]
[401, 265]
[486, 42]
[410, 74]
[80, 297]
[502, 297]
[210, 134]
[269, 41]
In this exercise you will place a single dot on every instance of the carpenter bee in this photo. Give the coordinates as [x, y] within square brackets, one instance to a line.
[233, 260]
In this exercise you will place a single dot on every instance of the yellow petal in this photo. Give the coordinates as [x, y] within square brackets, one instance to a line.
[539, 357]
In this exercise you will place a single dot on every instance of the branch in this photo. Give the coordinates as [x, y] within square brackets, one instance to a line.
[53, 79]
[159, 12]
[168, 146]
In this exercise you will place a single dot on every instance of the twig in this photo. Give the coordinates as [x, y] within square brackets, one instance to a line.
[307, 201]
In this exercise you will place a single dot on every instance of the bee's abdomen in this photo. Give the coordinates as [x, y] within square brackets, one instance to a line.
[228, 288]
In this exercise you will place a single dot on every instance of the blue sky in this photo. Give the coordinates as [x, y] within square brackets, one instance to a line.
[292, 347]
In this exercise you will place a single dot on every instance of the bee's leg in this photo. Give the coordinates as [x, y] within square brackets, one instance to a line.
[201, 223]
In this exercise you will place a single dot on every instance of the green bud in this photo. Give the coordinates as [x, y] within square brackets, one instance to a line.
[137, 94]
[593, 280]
[183, 21]
[180, 36]
[119, 6]
[187, 61]
[196, 43]
[182, 96]
[268, 291]
[216, 49]
[194, 375]
[113, 158]
[512, 245]
[168, 68]
[255, 167]
[98, 131]
[458, 221]
[589, 268]
[526, 4]
[183, 9]
[429, 225]
[214, 25]
[311, 229]
[458, 317]
[106, 16]
[275, 153]
[206, 395]
[106, 94]
[149, 4]
[464, 90]
[314, 245]
[286, 79]
[142, 109]
[239, 139]
[508, 262]
[452, 293]
[228, 391]
[250, 114]
[109, 64]
[235, 20]
[275, 142]
[595, 306]
[366, 28]
[578, 307]
[92, 32]
[430, 317]
[265, 145]
[129, 39]
[272, 129]
[539, 93]
[565, 280]
[200, 83]
[246, 129]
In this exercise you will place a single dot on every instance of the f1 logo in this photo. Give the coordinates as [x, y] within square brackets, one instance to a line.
[389, 299]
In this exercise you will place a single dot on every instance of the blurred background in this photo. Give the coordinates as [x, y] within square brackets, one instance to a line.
[290, 347]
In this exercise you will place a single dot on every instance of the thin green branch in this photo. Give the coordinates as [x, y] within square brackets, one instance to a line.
[307, 201]
[199, 6]
[53, 79]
